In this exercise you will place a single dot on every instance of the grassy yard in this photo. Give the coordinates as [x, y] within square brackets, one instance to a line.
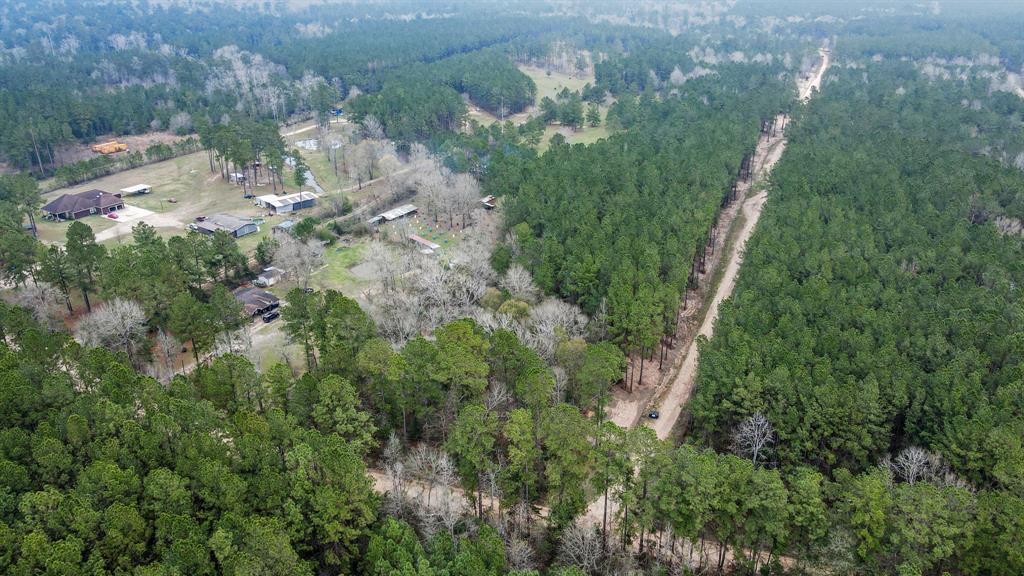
[55, 232]
[585, 135]
[438, 234]
[271, 346]
[317, 160]
[183, 188]
[547, 85]
[337, 271]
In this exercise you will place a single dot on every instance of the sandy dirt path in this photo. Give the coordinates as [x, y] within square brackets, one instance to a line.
[671, 402]
[768, 152]
[808, 86]
[312, 127]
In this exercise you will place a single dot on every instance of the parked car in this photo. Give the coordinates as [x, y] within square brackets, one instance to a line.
[112, 215]
[271, 316]
[308, 290]
[200, 218]
[192, 226]
[653, 414]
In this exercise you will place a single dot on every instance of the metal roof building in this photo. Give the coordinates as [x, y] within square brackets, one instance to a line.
[233, 225]
[394, 214]
[255, 301]
[287, 203]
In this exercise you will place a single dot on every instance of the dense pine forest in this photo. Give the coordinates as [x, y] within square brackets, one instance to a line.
[803, 219]
[618, 224]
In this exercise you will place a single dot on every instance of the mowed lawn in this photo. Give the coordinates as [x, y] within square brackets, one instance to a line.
[547, 85]
[551, 84]
[336, 272]
[183, 188]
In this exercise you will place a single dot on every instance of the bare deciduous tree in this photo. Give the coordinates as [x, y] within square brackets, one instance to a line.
[561, 385]
[117, 324]
[580, 547]
[498, 396]
[299, 259]
[359, 160]
[913, 464]
[519, 283]
[519, 554]
[169, 348]
[753, 437]
[464, 195]
[44, 301]
[372, 128]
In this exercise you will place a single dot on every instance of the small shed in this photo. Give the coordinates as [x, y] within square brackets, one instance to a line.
[425, 246]
[396, 213]
[269, 277]
[284, 227]
[236, 177]
[287, 203]
[137, 189]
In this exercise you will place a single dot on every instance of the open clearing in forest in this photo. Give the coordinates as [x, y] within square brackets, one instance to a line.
[186, 179]
[548, 84]
[318, 161]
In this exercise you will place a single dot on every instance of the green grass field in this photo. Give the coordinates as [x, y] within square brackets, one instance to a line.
[317, 160]
[337, 271]
[551, 84]
[183, 188]
[585, 135]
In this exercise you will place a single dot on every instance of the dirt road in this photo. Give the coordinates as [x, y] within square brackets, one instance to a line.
[807, 86]
[768, 152]
[671, 402]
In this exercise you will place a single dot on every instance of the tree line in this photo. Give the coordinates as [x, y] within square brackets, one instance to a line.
[230, 469]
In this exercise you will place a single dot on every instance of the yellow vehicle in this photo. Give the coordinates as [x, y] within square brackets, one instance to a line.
[111, 147]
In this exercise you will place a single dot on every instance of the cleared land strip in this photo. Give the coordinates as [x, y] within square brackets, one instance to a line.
[768, 152]
[670, 402]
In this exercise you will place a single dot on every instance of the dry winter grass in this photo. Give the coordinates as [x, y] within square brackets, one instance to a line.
[186, 179]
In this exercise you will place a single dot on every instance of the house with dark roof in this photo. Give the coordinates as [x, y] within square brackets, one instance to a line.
[233, 225]
[75, 206]
[255, 301]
